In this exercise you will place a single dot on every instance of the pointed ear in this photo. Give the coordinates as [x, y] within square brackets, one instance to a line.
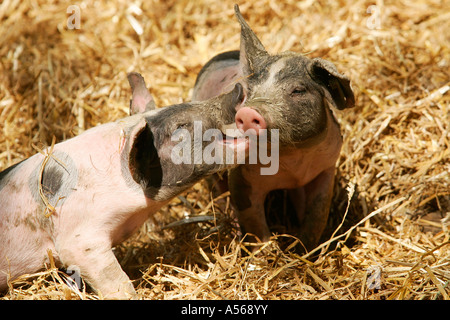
[143, 161]
[142, 100]
[338, 92]
[251, 50]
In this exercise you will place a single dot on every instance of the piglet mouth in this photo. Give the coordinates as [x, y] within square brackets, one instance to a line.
[232, 136]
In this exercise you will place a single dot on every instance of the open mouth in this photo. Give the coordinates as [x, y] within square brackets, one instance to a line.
[232, 136]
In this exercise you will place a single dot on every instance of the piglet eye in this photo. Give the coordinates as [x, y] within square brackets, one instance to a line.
[298, 91]
[182, 126]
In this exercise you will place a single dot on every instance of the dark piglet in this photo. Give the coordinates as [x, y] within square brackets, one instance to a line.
[87, 194]
[292, 93]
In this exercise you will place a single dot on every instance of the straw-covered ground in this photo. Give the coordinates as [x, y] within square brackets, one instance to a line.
[392, 192]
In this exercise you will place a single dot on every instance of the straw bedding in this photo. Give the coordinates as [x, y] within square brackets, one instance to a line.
[388, 237]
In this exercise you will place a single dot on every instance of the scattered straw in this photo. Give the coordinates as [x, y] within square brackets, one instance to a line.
[387, 240]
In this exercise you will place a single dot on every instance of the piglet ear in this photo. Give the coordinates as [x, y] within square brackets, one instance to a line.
[142, 100]
[337, 85]
[143, 161]
[251, 50]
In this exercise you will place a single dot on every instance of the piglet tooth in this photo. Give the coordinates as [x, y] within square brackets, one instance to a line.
[231, 130]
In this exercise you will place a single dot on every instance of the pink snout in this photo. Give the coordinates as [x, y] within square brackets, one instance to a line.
[247, 118]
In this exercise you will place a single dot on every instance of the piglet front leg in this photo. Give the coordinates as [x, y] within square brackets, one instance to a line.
[312, 204]
[248, 200]
[98, 266]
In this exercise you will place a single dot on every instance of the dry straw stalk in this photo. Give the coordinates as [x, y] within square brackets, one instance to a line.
[394, 241]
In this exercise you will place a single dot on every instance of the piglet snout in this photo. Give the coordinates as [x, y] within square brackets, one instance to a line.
[248, 118]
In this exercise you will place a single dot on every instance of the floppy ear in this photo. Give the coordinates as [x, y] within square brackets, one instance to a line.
[337, 85]
[251, 49]
[143, 161]
[141, 100]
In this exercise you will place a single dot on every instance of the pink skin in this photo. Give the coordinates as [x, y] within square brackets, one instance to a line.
[101, 186]
[86, 226]
[247, 118]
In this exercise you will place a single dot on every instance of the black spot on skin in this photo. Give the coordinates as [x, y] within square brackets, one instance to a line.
[58, 181]
[52, 181]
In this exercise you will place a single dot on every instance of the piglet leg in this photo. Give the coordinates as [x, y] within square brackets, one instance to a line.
[312, 203]
[98, 266]
[248, 200]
